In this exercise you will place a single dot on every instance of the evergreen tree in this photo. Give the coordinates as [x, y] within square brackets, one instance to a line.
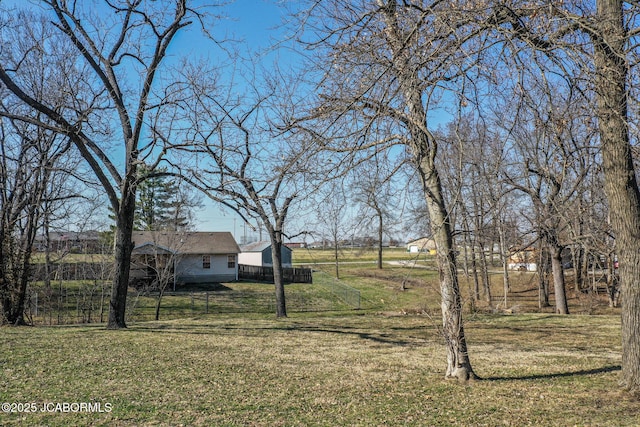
[162, 204]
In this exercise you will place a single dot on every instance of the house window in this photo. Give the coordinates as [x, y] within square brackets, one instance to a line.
[206, 261]
[231, 261]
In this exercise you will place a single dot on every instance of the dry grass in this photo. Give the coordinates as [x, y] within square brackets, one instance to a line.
[349, 255]
[312, 370]
[381, 365]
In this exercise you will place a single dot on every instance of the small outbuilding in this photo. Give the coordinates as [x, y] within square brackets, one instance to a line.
[259, 254]
[424, 244]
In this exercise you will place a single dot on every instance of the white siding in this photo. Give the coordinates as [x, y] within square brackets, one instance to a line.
[523, 266]
[250, 258]
[189, 268]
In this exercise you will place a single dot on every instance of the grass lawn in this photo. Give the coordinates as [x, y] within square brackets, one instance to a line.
[326, 370]
[327, 364]
[352, 255]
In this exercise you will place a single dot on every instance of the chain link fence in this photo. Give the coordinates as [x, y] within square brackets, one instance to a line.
[73, 302]
[346, 293]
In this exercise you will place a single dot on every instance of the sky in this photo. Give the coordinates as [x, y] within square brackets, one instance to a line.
[255, 23]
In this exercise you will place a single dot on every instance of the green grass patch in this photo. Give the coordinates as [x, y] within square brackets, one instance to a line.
[350, 255]
[313, 369]
[72, 302]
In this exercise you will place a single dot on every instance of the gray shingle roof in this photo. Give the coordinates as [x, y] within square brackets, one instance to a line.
[193, 242]
[255, 246]
[259, 247]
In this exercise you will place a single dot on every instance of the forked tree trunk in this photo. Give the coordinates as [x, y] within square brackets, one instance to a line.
[621, 186]
[17, 247]
[424, 148]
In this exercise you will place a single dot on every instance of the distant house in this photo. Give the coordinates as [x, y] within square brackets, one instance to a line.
[423, 244]
[86, 242]
[294, 245]
[259, 254]
[523, 260]
[197, 257]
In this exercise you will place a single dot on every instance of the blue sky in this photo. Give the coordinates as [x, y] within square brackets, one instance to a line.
[254, 22]
[252, 25]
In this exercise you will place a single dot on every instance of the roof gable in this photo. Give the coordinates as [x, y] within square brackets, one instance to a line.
[150, 248]
[259, 247]
[255, 246]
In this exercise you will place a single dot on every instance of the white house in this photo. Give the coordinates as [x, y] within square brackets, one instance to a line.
[423, 244]
[197, 257]
[259, 254]
[523, 260]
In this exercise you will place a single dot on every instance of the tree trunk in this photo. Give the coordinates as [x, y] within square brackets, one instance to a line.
[380, 230]
[158, 302]
[465, 266]
[576, 262]
[558, 279]
[458, 362]
[474, 269]
[612, 281]
[486, 284]
[543, 289]
[336, 256]
[19, 250]
[276, 257]
[424, 148]
[621, 186]
[504, 260]
[123, 249]
[17, 316]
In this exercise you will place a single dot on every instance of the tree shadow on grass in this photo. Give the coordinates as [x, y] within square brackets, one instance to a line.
[603, 370]
[376, 337]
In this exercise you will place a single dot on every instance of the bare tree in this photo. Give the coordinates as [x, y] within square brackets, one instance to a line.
[472, 196]
[158, 261]
[550, 142]
[333, 218]
[374, 189]
[110, 64]
[601, 40]
[242, 160]
[28, 159]
[386, 64]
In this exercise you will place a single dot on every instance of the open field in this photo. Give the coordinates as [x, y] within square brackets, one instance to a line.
[310, 369]
[352, 255]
